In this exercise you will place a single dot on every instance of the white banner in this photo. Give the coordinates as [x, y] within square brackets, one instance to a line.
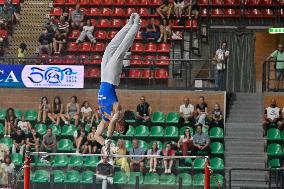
[53, 76]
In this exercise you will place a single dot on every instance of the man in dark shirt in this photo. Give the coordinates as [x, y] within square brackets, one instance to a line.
[202, 111]
[18, 141]
[32, 140]
[143, 112]
[104, 172]
[45, 42]
[152, 31]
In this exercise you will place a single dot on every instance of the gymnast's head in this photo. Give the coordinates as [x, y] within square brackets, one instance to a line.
[122, 126]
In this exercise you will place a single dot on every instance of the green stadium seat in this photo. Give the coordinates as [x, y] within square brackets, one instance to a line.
[87, 177]
[216, 181]
[65, 145]
[119, 177]
[159, 144]
[129, 116]
[55, 129]
[282, 134]
[40, 163]
[72, 176]
[205, 129]
[171, 132]
[7, 141]
[141, 131]
[198, 180]
[58, 176]
[1, 129]
[273, 134]
[157, 131]
[158, 118]
[181, 131]
[16, 158]
[274, 150]
[143, 144]
[167, 180]
[31, 115]
[132, 178]
[173, 118]
[40, 128]
[91, 162]
[186, 179]
[2, 114]
[217, 164]
[187, 164]
[68, 131]
[199, 164]
[151, 179]
[128, 144]
[76, 161]
[274, 163]
[60, 161]
[216, 133]
[40, 176]
[18, 113]
[217, 148]
[130, 132]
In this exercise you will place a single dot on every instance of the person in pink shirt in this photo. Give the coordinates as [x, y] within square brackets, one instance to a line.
[168, 161]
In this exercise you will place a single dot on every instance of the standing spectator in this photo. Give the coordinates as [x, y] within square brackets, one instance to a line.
[32, 140]
[88, 31]
[72, 111]
[168, 161]
[80, 138]
[24, 125]
[278, 56]
[272, 114]
[43, 109]
[93, 145]
[134, 161]
[6, 18]
[86, 112]
[186, 112]
[165, 30]
[202, 111]
[191, 8]
[104, 172]
[45, 42]
[63, 26]
[185, 142]
[152, 160]
[18, 141]
[8, 169]
[201, 141]
[77, 17]
[122, 161]
[217, 115]
[56, 111]
[10, 122]
[152, 31]
[4, 151]
[22, 52]
[221, 57]
[143, 112]
[165, 10]
[48, 141]
[178, 8]
[59, 40]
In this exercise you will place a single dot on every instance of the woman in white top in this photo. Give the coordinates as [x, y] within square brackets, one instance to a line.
[153, 161]
[8, 169]
[24, 125]
[185, 142]
[88, 31]
[86, 112]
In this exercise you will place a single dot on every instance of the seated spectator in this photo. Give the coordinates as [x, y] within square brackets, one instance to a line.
[66, 14]
[6, 18]
[165, 10]
[59, 40]
[32, 140]
[93, 145]
[10, 122]
[24, 125]
[201, 141]
[272, 114]
[43, 109]
[45, 42]
[63, 26]
[185, 142]
[104, 172]
[152, 160]
[18, 141]
[72, 111]
[217, 115]
[168, 161]
[8, 170]
[56, 111]
[77, 17]
[165, 30]
[22, 52]
[186, 112]
[202, 111]
[122, 161]
[48, 142]
[191, 8]
[136, 161]
[143, 112]
[178, 8]
[87, 31]
[80, 139]
[86, 112]
[152, 31]
[4, 151]
[51, 25]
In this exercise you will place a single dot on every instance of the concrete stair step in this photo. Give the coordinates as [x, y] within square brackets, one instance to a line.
[247, 148]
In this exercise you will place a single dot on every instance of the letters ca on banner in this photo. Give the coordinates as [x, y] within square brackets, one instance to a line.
[10, 76]
[53, 76]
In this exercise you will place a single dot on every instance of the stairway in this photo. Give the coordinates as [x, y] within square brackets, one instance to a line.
[244, 144]
[33, 17]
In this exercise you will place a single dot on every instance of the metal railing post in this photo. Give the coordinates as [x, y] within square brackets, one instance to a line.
[230, 178]
[51, 183]
[180, 183]
[137, 182]
[94, 181]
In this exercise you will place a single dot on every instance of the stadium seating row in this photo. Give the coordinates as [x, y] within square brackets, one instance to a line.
[237, 13]
[107, 2]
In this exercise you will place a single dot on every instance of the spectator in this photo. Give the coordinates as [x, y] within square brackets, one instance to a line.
[152, 160]
[202, 111]
[186, 112]
[59, 40]
[48, 142]
[152, 31]
[201, 141]
[10, 122]
[93, 145]
[191, 7]
[43, 109]
[165, 30]
[122, 161]
[221, 57]
[18, 141]
[134, 161]
[86, 112]
[4, 151]
[278, 56]
[51, 25]
[8, 169]
[45, 42]
[272, 114]
[168, 161]
[165, 10]
[72, 111]
[178, 8]
[6, 18]
[217, 115]
[32, 140]
[185, 142]
[24, 125]
[66, 14]
[104, 172]
[80, 138]
[77, 17]
[56, 111]
[88, 31]
[63, 26]
[143, 112]
[22, 52]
